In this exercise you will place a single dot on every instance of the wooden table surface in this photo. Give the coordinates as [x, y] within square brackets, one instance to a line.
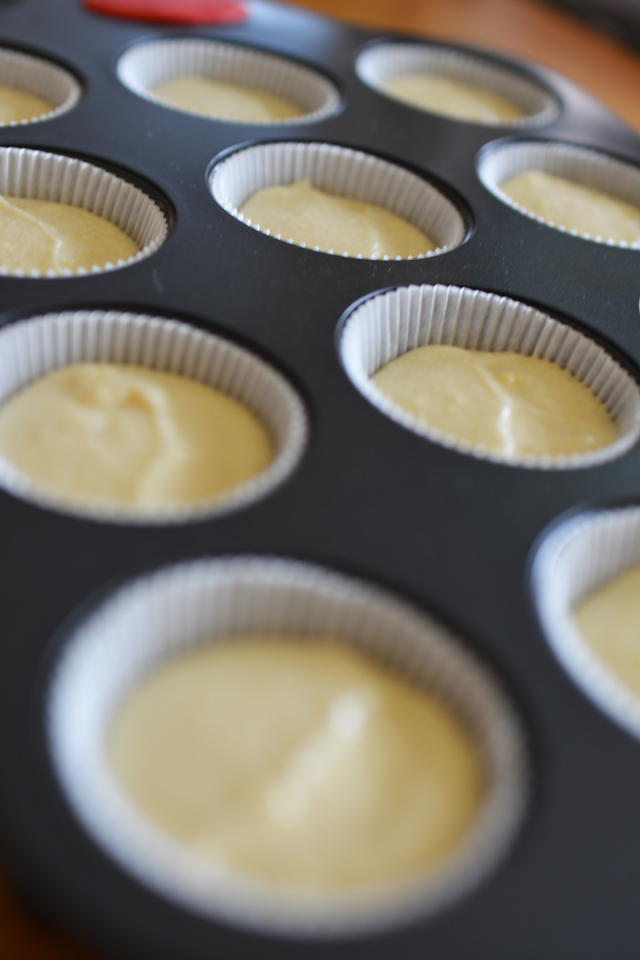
[526, 28]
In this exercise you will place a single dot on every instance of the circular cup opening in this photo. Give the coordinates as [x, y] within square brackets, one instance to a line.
[383, 62]
[32, 348]
[36, 175]
[41, 79]
[578, 165]
[204, 602]
[343, 173]
[575, 559]
[148, 65]
[391, 324]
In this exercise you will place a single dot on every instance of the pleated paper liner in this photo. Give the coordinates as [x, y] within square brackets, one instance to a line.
[148, 65]
[390, 324]
[42, 79]
[31, 348]
[577, 558]
[48, 176]
[385, 61]
[344, 173]
[579, 165]
[159, 616]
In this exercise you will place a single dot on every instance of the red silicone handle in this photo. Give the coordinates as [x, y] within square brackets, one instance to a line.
[173, 11]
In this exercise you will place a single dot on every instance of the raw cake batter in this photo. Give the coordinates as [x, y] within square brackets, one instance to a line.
[452, 98]
[313, 218]
[226, 101]
[43, 235]
[18, 105]
[574, 206]
[507, 402]
[299, 762]
[130, 435]
[609, 620]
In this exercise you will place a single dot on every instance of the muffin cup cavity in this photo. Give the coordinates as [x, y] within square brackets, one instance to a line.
[32, 348]
[147, 65]
[391, 324]
[206, 601]
[576, 164]
[42, 79]
[576, 559]
[47, 176]
[343, 173]
[385, 61]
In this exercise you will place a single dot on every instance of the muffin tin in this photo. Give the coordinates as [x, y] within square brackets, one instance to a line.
[448, 533]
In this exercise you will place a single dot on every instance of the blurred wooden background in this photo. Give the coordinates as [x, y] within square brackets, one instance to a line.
[525, 28]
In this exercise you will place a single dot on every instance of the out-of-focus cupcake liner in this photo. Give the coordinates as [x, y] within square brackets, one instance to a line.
[208, 601]
[577, 164]
[576, 559]
[48, 176]
[343, 173]
[390, 324]
[42, 79]
[385, 61]
[31, 348]
[147, 65]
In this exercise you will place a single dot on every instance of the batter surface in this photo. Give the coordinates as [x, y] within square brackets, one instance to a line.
[507, 402]
[300, 762]
[574, 206]
[313, 218]
[43, 235]
[130, 435]
[452, 98]
[227, 101]
[18, 105]
[609, 620]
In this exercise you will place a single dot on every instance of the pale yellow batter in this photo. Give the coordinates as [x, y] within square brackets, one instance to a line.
[609, 620]
[574, 206]
[129, 435]
[18, 105]
[313, 218]
[226, 101]
[452, 98]
[43, 235]
[301, 762]
[507, 402]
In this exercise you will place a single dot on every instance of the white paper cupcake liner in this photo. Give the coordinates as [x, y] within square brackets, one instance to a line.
[31, 348]
[575, 559]
[40, 78]
[390, 324]
[49, 176]
[343, 173]
[150, 64]
[207, 601]
[577, 164]
[385, 61]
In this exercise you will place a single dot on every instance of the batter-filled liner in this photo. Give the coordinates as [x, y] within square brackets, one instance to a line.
[577, 558]
[340, 172]
[148, 65]
[208, 601]
[390, 324]
[31, 348]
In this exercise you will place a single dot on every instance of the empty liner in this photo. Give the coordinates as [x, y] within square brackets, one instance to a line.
[385, 61]
[149, 64]
[207, 601]
[577, 164]
[575, 559]
[31, 348]
[40, 78]
[391, 324]
[343, 173]
[48, 176]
